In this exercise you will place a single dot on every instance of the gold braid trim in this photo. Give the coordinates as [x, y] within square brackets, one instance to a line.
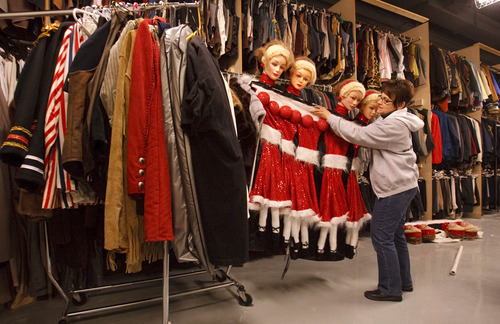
[9, 143]
[22, 129]
[46, 30]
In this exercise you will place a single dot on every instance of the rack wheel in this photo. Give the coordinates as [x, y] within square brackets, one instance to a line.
[220, 276]
[78, 299]
[244, 299]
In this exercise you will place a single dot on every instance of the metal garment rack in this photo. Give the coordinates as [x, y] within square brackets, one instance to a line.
[220, 275]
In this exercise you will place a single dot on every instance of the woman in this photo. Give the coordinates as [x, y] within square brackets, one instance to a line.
[394, 175]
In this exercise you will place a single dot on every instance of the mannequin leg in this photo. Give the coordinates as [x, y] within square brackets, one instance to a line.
[275, 225]
[351, 239]
[323, 234]
[294, 250]
[348, 232]
[263, 219]
[304, 233]
[287, 227]
[332, 239]
[334, 255]
[275, 219]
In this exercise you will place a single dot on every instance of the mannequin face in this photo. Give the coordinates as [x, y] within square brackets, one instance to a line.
[369, 110]
[275, 67]
[352, 99]
[300, 78]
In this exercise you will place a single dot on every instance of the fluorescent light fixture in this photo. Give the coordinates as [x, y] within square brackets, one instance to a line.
[483, 3]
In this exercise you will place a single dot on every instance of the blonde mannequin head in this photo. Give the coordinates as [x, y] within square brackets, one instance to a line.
[302, 73]
[275, 57]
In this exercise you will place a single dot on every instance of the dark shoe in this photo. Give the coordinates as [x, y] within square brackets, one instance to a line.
[294, 250]
[304, 252]
[335, 256]
[349, 251]
[378, 295]
[320, 255]
[276, 243]
[407, 288]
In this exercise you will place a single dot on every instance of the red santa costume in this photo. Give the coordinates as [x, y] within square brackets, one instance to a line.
[288, 120]
[269, 189]
[333, 201]
[297, 169]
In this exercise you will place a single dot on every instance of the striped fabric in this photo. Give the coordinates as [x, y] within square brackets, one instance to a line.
[58, 184]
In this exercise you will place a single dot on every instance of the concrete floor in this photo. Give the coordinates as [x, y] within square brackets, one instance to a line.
[317, 292]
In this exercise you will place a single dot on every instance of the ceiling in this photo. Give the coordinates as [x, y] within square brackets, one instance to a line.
[453, 24]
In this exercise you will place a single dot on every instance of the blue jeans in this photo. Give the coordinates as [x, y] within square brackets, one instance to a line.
[388, 239]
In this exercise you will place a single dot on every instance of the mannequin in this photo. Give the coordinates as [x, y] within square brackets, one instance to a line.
[334, 207]
[357, 210]
[269, 191]
[305, 209]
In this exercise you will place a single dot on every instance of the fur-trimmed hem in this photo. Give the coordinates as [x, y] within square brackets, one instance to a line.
[339, 220]
[303, 213]
[259, 202]
[324, 224]
[280, 204]
[361, 222]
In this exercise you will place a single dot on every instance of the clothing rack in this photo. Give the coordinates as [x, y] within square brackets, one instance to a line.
[129, 7]
[222, 276]
[401, 36]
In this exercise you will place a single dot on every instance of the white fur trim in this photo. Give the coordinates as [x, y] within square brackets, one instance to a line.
[356, 164]
[288, 147]
[350, 86]
[335, 161]
[339, 220]
[302, 213]
[259, 202]
[275, 50]
[324, 225]
[306, 65]
[270, 134]
[306, 155]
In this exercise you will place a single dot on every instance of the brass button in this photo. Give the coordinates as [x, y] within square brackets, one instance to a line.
[142, 160]
[141, 172]
[141, 184]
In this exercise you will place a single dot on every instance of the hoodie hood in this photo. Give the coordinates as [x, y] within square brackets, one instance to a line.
[411, 121]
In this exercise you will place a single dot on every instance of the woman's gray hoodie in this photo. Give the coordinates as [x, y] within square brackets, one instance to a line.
[393, 167]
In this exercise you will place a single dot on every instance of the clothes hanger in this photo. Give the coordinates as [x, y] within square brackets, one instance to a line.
[85, 14]
[199, 23]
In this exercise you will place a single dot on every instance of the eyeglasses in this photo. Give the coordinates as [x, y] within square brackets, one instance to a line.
[384, 99]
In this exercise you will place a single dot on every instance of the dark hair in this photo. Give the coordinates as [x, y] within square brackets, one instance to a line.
[401, 91]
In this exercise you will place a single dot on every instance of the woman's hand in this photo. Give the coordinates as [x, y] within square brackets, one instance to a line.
[321, 112]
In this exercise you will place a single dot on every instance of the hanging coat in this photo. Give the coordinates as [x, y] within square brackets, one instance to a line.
[217, 158]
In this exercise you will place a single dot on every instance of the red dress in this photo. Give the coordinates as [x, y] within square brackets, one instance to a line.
[307, 157]
[333, 201]
[288, 148]
[269, 189]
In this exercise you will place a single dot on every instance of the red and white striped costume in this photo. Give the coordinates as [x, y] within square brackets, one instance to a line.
[58, 183]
